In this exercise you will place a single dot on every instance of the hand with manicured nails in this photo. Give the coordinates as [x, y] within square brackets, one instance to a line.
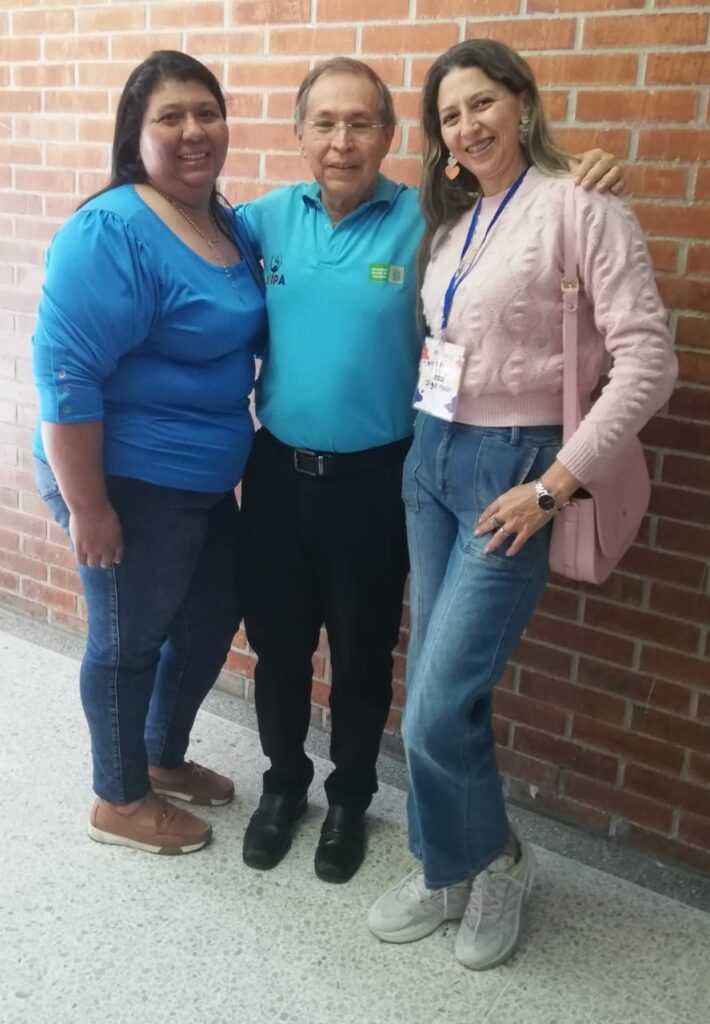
[514, 514]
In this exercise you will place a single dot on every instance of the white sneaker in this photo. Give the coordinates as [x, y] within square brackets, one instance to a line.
[409, 910]
[490, 928]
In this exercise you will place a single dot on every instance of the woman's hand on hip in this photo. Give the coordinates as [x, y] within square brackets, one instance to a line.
[514, 514]
[96, 536]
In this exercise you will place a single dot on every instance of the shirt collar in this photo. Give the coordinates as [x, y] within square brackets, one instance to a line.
[384, 193]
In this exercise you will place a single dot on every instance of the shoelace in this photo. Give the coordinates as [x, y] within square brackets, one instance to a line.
[413, 886]
[488, 894]
[167, 813]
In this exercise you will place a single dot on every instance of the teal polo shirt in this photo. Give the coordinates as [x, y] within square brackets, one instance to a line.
[344, 346]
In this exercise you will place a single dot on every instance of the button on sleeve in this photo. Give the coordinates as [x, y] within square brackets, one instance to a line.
[98, 301]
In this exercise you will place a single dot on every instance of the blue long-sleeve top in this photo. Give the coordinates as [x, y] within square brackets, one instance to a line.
[138, 330]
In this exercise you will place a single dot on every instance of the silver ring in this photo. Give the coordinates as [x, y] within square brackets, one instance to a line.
[494, 521]
[506, 533]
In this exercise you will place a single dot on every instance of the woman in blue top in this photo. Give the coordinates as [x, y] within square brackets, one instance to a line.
[151, 314]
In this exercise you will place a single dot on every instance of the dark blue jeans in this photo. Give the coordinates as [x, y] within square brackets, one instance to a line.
[160, 625]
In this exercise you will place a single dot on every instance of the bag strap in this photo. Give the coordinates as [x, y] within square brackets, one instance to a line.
[571, 408]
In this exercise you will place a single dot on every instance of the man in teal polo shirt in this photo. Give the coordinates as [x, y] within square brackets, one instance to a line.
[342, 365]
[322, 510]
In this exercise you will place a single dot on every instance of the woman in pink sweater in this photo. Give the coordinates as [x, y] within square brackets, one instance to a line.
[487, 470]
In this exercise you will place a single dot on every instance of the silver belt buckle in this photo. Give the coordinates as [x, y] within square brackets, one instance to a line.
[297, 465]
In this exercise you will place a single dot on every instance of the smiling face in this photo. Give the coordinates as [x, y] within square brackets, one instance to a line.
[184, 139]
[345, 163]
[479, 121]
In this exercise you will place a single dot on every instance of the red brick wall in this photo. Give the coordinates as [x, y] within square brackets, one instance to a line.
[605, 717]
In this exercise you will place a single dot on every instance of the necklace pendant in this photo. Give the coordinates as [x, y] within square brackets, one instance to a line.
[211, 243]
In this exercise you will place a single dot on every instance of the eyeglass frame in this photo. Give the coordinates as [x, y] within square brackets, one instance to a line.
[350, 126]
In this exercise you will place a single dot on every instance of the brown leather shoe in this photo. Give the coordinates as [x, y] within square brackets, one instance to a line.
[163, 829]
[192, 783]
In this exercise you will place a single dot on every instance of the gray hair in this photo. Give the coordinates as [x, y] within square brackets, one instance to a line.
[344, 66]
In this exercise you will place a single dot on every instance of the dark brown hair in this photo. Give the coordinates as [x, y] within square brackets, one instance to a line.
[162, 66]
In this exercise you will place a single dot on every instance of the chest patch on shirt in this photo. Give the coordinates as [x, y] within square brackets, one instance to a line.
[386, 273]
[273, 273]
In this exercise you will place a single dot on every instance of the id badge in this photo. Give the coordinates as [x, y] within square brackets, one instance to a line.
[440, 372]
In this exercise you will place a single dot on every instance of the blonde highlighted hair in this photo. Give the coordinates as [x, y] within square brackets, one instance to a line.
[442, 200]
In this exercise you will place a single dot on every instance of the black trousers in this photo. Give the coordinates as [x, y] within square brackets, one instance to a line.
[323, 550]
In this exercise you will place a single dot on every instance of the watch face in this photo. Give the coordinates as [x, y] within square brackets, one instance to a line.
[547, 503]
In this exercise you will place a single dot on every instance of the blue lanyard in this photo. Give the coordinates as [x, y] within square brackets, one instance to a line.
[460, 274]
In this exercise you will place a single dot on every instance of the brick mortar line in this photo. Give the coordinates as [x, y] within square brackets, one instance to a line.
[619, 603]
[683, 249]
[641, 51]
[591, 657]
[684, 487]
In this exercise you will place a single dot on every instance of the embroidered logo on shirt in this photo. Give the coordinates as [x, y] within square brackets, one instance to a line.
[386, 273]
[273, 276]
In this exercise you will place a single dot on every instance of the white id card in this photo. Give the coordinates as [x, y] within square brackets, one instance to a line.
[440, 372]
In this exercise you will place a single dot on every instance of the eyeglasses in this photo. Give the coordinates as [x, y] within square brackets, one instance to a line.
[326, 128]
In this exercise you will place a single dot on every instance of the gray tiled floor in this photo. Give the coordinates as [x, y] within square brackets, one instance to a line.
[98, 933]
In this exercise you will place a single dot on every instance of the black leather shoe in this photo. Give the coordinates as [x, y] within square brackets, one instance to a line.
[267, 839]
[341, 847]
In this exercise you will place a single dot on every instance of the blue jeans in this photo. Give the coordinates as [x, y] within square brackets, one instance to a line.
[468, 611]
[160, 625]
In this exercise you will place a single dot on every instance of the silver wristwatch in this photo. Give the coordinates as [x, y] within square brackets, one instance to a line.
[545, 501]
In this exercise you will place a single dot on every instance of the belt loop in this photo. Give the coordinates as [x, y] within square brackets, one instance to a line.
[515, 435]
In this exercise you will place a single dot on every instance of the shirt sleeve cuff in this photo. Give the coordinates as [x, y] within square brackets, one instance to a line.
[71, 403]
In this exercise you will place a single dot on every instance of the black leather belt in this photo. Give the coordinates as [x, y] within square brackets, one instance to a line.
[314, 463]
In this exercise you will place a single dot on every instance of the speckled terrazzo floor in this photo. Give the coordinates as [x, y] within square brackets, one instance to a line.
[93, 933]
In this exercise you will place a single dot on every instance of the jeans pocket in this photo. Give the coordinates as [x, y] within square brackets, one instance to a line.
[48, 490]
[47, 486]
[545, 456]
[499, 467]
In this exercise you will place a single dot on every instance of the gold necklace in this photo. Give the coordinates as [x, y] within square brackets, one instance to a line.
[210, 243]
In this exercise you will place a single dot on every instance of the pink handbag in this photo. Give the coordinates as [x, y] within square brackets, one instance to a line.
[592, 533]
